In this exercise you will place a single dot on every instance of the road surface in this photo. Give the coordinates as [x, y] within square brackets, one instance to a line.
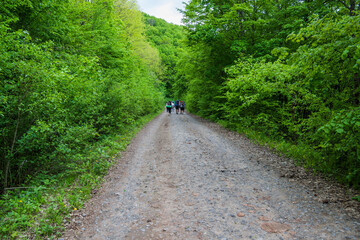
[185, 178]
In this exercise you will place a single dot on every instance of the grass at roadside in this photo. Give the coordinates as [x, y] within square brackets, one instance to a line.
[38, 210]
[302, 154]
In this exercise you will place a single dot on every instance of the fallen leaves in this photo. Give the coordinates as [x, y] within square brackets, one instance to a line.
[274, 227]
[240, 214]
[263, 218]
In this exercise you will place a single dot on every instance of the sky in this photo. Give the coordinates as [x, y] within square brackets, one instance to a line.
[165, 9]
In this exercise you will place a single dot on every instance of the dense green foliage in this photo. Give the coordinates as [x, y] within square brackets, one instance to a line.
[285, 70]
[75, 78]
[168, 39]
[78, 78]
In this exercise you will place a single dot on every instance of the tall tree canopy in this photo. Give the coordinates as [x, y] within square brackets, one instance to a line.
[74, 73]
[168, 39]
[71, 73]
[288, 69]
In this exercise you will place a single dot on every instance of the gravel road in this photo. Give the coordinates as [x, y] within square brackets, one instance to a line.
[185, 178]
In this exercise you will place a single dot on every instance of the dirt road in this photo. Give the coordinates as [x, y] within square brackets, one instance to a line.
[185, 178]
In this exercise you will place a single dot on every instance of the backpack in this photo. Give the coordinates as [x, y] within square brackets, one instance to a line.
[177, 103]
[182, 104]
[168, 104]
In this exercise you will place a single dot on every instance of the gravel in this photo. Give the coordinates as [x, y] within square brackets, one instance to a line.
[186, 178]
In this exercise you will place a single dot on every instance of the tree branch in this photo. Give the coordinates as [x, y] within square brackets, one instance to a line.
[344, 3]
[7, 168]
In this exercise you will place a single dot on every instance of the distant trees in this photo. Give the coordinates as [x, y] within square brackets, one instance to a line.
[169, 40]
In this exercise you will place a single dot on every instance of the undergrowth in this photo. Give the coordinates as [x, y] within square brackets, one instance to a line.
[302, 154]
[38, 210]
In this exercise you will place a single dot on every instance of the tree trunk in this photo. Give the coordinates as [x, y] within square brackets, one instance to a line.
[352, 7]
[7, 165]
[356, 89]
[241, 19]
[278, 5]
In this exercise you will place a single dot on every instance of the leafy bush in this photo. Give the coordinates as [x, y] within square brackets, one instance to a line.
[340, 139]
[70, 83]
[288, 73]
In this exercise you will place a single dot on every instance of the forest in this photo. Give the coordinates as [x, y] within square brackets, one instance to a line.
[78, 79]
[284, 73]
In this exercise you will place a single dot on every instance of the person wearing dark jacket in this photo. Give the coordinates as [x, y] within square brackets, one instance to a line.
[182, 107]
[177, 106]
[168, 107]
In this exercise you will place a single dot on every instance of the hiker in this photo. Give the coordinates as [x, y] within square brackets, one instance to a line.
[172, 106]
[182, 107]
[177, 105]
[168, 107]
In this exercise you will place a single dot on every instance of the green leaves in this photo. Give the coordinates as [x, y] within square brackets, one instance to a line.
[71, 76]
[340, 139]
[168, 39]
[286, 70]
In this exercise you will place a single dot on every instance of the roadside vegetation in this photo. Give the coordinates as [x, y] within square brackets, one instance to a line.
[77, 80]
[286, 73]
[169, 39]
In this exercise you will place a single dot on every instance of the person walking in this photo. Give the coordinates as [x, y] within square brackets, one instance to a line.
[177, 106]
[182, 107]
[168, 107]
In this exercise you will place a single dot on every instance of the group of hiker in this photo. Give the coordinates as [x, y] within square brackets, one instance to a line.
[177, 105]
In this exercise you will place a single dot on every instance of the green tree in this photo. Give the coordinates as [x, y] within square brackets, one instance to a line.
[61, 93]
[168, 39]
[288, 69]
